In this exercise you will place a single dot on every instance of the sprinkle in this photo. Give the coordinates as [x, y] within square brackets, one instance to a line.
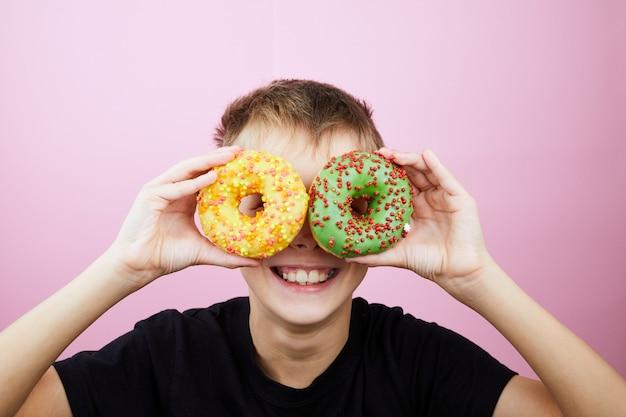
[285, 205]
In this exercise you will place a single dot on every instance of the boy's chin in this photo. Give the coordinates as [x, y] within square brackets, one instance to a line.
[300, 305]
[302, 308]
[303, 315]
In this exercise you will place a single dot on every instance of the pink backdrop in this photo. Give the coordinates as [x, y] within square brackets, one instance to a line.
[524, 101]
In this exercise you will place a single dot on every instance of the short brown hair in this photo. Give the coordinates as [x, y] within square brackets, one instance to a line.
[317, 107]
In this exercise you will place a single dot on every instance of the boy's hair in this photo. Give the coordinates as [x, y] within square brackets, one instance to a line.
[317, 107]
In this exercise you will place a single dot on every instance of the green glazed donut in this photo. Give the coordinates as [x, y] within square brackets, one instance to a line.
[337, 226]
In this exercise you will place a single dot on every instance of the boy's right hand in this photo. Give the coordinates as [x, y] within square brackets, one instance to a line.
[159, 235]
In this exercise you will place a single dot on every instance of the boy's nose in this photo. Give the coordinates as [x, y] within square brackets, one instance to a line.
[304, 239]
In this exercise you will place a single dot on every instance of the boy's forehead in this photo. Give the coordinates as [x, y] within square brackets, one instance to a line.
[297, 147]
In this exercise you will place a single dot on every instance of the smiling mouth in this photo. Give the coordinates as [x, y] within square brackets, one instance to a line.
[309, 276]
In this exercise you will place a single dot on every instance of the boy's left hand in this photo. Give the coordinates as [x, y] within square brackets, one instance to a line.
[445, 243]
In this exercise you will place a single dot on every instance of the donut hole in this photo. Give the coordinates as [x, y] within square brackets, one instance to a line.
[359, 205]
[251, 204]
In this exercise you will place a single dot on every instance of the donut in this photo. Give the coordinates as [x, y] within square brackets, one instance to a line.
[367, 177]
[284, 198]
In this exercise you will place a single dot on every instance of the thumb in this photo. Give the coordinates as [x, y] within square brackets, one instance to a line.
[387, 258]
[212, 255]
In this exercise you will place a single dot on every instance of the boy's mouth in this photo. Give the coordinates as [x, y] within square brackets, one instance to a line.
[304, 275]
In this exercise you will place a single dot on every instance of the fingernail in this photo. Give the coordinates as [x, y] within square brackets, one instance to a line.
[211, 176]
[227, 148]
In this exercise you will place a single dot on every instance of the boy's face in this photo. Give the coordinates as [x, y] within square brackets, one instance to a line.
[291, 302]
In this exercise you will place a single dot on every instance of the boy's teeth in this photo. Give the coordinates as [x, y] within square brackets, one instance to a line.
[314, 276]
[303, 277]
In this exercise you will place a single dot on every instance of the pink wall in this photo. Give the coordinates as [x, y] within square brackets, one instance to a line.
[524, 101]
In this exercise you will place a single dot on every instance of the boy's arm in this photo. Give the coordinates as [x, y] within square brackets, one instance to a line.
[158, 237]
[445, 244]
[580, 381]
[30, 345]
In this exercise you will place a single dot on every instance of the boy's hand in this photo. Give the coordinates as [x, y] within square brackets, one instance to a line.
[445, 243]
[159, 235]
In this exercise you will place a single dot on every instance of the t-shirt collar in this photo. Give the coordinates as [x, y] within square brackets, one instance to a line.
[283, 395]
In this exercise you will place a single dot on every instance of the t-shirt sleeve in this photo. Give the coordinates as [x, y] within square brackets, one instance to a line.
[460, 378]
[120, 378]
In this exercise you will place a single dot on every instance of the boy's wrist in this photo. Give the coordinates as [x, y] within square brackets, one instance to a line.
[481, 286]
[129, 279]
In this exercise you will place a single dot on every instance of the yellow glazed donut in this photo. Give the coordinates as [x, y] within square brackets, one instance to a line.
[285, 203]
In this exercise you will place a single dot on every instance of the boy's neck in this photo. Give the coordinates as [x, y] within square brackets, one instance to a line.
[296, 355]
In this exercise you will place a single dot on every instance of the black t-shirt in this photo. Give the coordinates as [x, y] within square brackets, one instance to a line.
[202, 363]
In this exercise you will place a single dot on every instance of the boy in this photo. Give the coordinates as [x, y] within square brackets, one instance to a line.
[281, 352]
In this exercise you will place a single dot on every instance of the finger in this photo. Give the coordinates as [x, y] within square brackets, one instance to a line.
[386, 152]
[440, 200]
[229, 260]
[445, 178]
[387, 258]
[211, 255]
[417, 169]
[418, 178]
[414, 160]
[177, 190]
[188, 168]
[417, 162]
